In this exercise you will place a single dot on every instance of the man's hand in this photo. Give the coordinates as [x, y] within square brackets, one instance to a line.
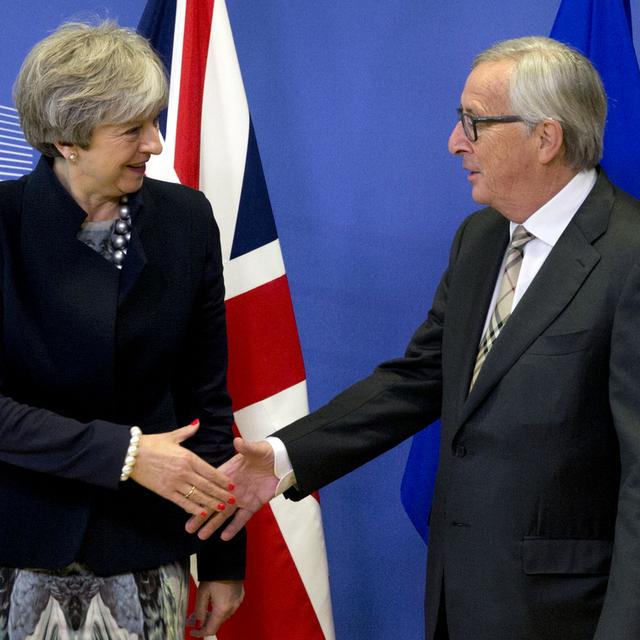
[251, 471]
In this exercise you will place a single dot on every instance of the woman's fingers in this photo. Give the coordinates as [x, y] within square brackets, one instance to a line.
[179, 475]
[205, 524]
[184, 433]
[200, 504]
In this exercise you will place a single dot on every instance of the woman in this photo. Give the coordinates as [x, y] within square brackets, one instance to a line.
[113, 333]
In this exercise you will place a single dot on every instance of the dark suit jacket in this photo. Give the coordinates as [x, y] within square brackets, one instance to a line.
[87, 351]
[535, 527]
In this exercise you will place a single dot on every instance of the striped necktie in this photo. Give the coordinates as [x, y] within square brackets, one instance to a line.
[504, 302]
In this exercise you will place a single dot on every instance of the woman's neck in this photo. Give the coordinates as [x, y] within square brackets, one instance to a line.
[96, 207]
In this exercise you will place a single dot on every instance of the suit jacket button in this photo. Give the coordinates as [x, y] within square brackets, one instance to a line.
[461, 451]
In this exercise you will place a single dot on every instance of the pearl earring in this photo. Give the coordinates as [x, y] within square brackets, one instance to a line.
[73, 157]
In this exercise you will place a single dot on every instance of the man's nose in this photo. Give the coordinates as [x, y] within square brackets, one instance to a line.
[458, 141]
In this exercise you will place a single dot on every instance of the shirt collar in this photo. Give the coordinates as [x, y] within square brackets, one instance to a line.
[552, 218]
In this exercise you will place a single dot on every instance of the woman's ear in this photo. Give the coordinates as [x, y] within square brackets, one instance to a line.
[67, 150]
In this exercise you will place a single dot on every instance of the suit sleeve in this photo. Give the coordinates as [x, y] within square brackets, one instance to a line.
[620, 617]
[396, 401]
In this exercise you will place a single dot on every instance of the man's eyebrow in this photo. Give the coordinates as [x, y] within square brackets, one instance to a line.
[471, 112]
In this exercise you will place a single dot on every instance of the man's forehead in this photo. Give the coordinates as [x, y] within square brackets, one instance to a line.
[487, 86]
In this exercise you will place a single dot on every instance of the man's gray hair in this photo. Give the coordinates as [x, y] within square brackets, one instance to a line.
[84, 76]
[553, 81]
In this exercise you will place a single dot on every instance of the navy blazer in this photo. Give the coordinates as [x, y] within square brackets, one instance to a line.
[86, 351]
[535, 526]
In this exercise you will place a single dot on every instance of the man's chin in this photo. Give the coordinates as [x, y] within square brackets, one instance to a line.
[479, 195]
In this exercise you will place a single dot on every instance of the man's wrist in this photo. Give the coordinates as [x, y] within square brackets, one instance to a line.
[282, 468]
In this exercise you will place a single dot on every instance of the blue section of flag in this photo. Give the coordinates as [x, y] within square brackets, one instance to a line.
[601, 30]
[255, 225]
[157, 24]
[419, 478]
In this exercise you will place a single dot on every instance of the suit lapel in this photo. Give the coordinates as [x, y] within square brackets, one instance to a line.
[471, 289]
[553, 288]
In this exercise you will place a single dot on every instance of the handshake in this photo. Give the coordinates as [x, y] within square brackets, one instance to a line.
[233, 492]
[251, 474]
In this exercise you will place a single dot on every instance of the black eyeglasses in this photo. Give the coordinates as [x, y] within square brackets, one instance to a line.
[470, 123]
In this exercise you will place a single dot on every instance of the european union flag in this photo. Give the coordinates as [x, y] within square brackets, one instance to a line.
[419, 478]
[601, 30]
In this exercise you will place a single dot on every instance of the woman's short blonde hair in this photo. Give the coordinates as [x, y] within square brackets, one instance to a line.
[84, 76]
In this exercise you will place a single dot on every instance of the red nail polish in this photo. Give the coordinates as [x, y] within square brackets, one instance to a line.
[198, 624]
[203, 514]
[231, 500]
[222, 506]
[209, 607]
[231, 486]
[194, 423]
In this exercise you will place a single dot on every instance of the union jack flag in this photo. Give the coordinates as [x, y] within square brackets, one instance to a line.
[210, 144]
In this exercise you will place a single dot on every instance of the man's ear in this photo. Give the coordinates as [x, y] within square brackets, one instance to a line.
[550, 140]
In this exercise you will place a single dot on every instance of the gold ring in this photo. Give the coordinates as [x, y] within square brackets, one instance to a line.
[190, 492]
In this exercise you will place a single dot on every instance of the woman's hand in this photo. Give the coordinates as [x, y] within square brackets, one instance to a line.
[215, 602]
[179, 475]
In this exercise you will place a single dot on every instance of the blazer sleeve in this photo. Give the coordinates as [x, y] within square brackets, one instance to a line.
[200, 389]
[620, 616]
[396, 401]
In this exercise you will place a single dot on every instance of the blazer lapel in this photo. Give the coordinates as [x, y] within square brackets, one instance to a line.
[553, 288]
[143, 282]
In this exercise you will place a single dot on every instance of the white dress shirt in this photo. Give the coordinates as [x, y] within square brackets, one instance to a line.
[547, 225]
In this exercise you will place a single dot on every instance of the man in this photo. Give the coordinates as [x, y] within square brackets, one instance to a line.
[531, 356]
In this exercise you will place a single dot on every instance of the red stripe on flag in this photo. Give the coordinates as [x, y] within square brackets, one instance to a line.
[273, 585]
[197, 30]
[264, 351]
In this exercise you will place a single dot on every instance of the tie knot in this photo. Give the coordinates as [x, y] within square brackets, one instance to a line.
[520, 237]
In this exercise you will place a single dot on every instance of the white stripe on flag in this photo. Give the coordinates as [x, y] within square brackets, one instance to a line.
[310, 560]
[169, 151]
[260, 419]
[225, 120]
[253, 269]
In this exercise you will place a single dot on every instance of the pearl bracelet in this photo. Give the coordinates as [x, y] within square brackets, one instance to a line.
[132, 453]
